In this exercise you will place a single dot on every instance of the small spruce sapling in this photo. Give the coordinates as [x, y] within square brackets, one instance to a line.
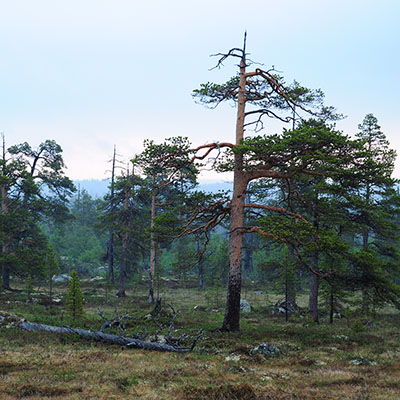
[74, 303]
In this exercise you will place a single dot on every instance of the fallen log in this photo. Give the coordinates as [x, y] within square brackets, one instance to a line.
[9, 320]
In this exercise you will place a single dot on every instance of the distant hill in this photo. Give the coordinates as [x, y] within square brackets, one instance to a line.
[215, 187]
[95, 187]
[98, 187]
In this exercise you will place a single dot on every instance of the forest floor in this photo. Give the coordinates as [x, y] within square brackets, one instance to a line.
[346, 360]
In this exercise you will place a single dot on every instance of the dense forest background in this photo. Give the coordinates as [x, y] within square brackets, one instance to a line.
[112, 237]
[310, 207]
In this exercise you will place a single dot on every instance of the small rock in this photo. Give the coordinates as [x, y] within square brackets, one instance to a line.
[232, 357]
[245, 306]
[266, 378]
[61, 278]
[362, 361]
[340, 337]
[282, 307]
[266, 349]
[338, 315]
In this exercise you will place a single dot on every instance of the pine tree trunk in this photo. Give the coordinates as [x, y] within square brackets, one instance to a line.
[201, 275]
[111, 256]
[5, 275]
[122, 269]
[125, 237]
[111, 233]
[5, 270]
[201, 269]
[313, 301]
[365, 237]
[314, 279]
[291, 290]
[232, 311]
[331, 304]
[153, 246]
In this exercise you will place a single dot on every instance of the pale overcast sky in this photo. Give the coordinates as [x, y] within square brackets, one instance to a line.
[94, 73]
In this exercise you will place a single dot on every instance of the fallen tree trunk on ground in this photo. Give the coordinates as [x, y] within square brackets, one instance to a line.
[10, 320]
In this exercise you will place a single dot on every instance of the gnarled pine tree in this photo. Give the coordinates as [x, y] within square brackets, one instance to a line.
[259, 94]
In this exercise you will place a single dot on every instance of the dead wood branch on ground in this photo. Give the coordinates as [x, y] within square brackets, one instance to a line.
[8, 320]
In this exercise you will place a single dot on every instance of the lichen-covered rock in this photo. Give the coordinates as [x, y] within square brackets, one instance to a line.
[232, 357]
[280, 308]
[61, 278]
[245, 306]
[265, 349]
[362, 361]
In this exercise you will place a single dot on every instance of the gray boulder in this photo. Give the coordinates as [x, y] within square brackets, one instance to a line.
[280, 308]
[265, 349]
[61, 278]
[245, 306]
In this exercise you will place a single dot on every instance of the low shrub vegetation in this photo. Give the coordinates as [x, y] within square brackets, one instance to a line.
[339, 361]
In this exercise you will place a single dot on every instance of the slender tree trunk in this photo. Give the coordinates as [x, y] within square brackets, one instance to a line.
[232, 311]
[122, 268]
[110, 254]
[286, 293]
[153, 245]
[201, 269]
[365, 237]
[111, 234]
[125, 238]
[201, 275]
[291, 289]
[314, 280]
[331, 304]
[5, 270]
[313, 301]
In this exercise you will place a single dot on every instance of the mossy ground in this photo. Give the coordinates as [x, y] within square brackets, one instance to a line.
[316, 361]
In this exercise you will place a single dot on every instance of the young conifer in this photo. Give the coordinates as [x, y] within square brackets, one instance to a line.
[74, 302]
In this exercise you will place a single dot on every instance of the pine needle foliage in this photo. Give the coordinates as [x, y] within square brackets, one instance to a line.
[74, 303]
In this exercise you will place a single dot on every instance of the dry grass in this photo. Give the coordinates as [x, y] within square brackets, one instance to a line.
[315, 361]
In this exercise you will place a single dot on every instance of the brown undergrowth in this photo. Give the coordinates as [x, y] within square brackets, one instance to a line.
[316, 362]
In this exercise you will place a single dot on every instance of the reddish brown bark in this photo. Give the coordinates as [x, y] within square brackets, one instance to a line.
[232, 311]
